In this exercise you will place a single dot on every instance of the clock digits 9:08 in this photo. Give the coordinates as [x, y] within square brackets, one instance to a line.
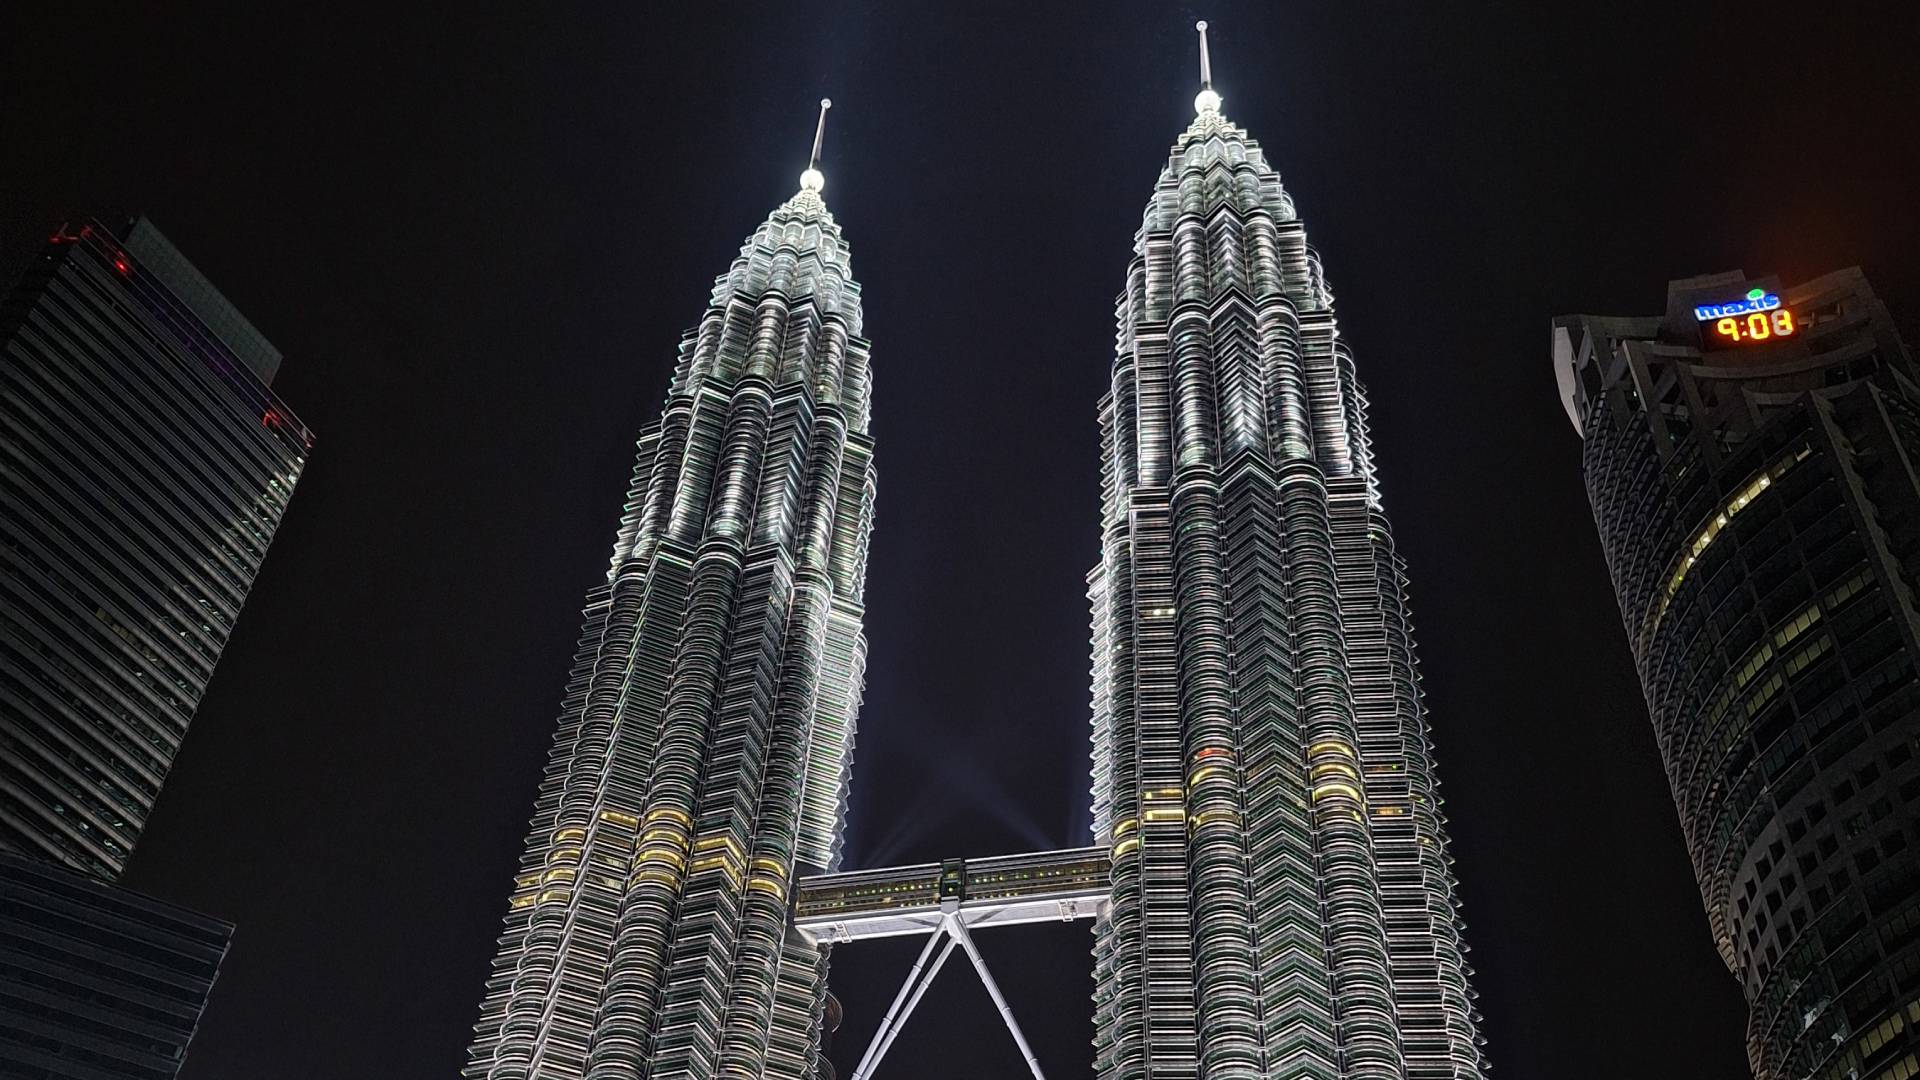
[1756, 326]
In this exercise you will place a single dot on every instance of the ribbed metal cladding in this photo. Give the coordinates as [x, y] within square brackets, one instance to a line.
[1282, 903]
[98, 982]
[1759, 508]
[144, 467]
[705, 738]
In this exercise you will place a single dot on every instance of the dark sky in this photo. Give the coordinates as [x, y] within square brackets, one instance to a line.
[479, 237]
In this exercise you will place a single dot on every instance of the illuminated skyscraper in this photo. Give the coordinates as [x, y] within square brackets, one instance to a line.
[145, 464]
[701, 761]
[1270, 885]
[1750, 457]
[1282, 903]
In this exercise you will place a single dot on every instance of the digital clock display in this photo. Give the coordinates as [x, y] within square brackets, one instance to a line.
[1757, 317]
[1759, 326]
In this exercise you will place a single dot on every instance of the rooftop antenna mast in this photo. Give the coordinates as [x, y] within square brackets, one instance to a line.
[812, 180]
[1206, 64]
[1206, 100]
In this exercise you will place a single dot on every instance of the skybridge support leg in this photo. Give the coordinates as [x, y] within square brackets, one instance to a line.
[909, 996]
[959, 931]
[894, 1033]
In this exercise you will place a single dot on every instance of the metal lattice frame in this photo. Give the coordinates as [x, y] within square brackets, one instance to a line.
[951, 930]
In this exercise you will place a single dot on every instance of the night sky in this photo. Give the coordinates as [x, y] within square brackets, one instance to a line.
[479, 238]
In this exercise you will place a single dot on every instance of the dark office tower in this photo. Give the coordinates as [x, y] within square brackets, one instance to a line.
[144, 465]
[1282, 904]
[97, 982]
[1750, 456]
[704, 739]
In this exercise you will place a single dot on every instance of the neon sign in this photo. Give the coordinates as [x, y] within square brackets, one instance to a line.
[1757, 317]
[1756, 300]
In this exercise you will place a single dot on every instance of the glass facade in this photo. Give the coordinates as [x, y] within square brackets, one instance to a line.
[1750, 457]
[1282, 900]
[144, 466]
[96, 982]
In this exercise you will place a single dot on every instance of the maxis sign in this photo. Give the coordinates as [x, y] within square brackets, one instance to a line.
[1756, 300]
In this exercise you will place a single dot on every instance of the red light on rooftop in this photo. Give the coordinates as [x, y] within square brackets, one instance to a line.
[120, 263]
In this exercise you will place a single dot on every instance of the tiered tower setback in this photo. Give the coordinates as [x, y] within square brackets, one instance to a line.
[1282, 903]
[1270, 886]
[701, 761]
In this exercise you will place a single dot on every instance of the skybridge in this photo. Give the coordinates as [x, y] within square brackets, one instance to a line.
[1001, 890]
[947, 901]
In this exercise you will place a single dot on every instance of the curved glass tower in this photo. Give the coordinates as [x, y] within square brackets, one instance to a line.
[1750, 460]
[701, 760]
[1282, 903]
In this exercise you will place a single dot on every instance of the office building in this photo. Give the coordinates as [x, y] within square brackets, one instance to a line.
[1269, 882]
[1750, 455]
[1282, 899]
[97, 982]
[701, 761]
[144, 466]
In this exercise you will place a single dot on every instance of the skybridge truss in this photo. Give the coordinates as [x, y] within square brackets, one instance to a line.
[947, 901]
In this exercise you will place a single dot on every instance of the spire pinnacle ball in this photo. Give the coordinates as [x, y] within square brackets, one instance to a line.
[1206, 101]
[812, 180]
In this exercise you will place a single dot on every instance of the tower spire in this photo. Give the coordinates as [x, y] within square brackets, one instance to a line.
[1206, 100]
[812, 180]
[1206, 66]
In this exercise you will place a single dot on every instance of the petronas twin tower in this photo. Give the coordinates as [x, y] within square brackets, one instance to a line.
[1270, 881]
